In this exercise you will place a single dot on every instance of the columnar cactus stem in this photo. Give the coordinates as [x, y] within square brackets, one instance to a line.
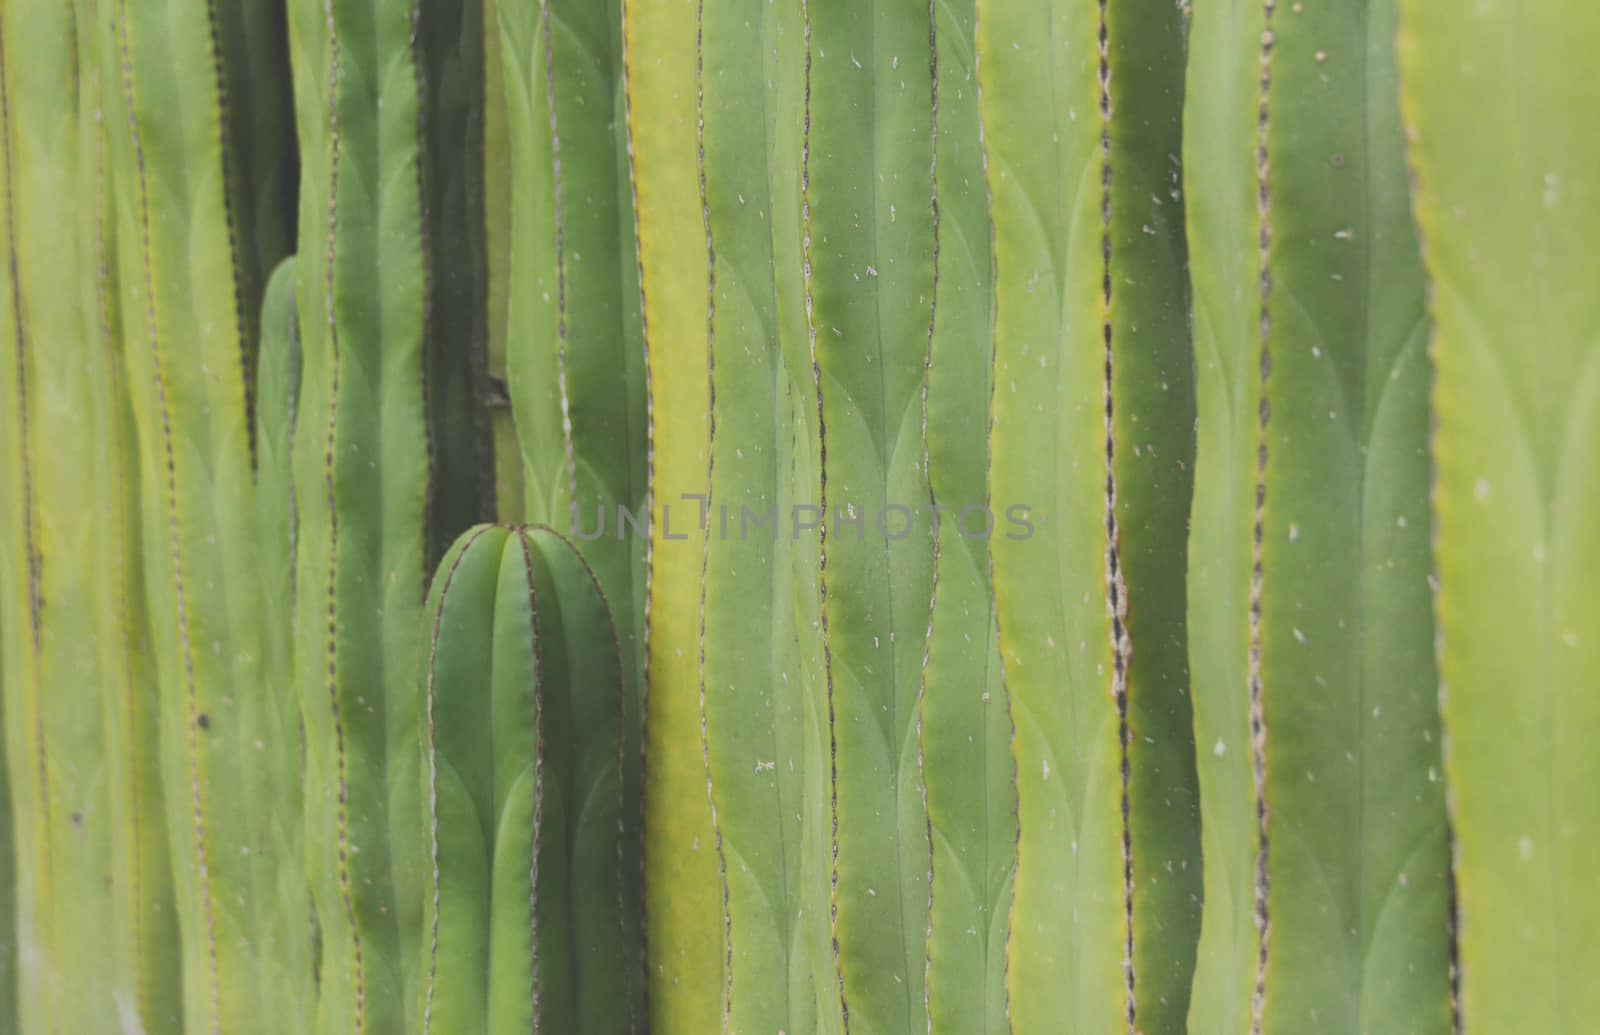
[575, 352]
[387, 343]
[965, 726]
[144, 952]
[201, 173]
[522, 721]
[750, 681]
[867, 260]
[57, 538]
[1326, 864]
[1503, 148]
[684, 918]
[1092, 440]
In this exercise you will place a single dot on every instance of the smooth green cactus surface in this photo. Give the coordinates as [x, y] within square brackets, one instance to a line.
[1504, 156]
[1090, 456]
[522, 712]
[1316, 724]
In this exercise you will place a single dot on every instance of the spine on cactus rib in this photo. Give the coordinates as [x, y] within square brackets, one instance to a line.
[868, 282]
[389, 302]
[751, 702]
[1091, 444]
[201, 171]
[575, 352]
[684, 918]
[144, 952]
[57, 535]
[965, 727]
[1326, 898]
[522, 734]
[1503, 159]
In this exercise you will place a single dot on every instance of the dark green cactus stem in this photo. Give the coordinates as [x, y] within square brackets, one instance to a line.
[509, 491]
[1504, 153]
[868, 247]
[683, 921]
[575, 352]
[1316, 724]
[201, 174]
[382, 463]
[522, 718]
[965, 724]
[1089, 460]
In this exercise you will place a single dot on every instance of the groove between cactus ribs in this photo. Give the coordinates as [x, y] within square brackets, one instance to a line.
[538, 781]
[121, 563]
[1116, 587]
[433, 785]
[197, 801]
[32, 559]
[643, 1003]
[1258, 724]
[711, 466]
[822, 532]
[419, 80]
[569, 451]
[933, 499]
[231, 223]
[341, 817]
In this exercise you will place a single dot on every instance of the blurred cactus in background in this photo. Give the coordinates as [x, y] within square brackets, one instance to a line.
[819, 517]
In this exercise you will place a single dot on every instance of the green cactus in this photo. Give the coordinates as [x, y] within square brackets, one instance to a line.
[384, 457]
[965, 725]
[1326, 860]
[683, 930]
[575, 355]
[200, 173]
[1503, 154]
[1092, 369]
[522, 718]
[57, 535]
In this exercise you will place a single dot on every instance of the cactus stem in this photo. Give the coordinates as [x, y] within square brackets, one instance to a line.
[30, 531]
[341, 817]
[196, 798]
[419, 77]
[433, 800]
[1258, 723]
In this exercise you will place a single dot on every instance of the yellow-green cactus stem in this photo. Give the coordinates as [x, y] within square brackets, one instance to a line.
[683, 920]
[1092, 442]
[201, 170]
[1500, 117]
[1326, 892]
[57, 539]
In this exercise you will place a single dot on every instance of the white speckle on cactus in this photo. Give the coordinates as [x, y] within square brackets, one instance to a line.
[1480, 491]
[1525, 847]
